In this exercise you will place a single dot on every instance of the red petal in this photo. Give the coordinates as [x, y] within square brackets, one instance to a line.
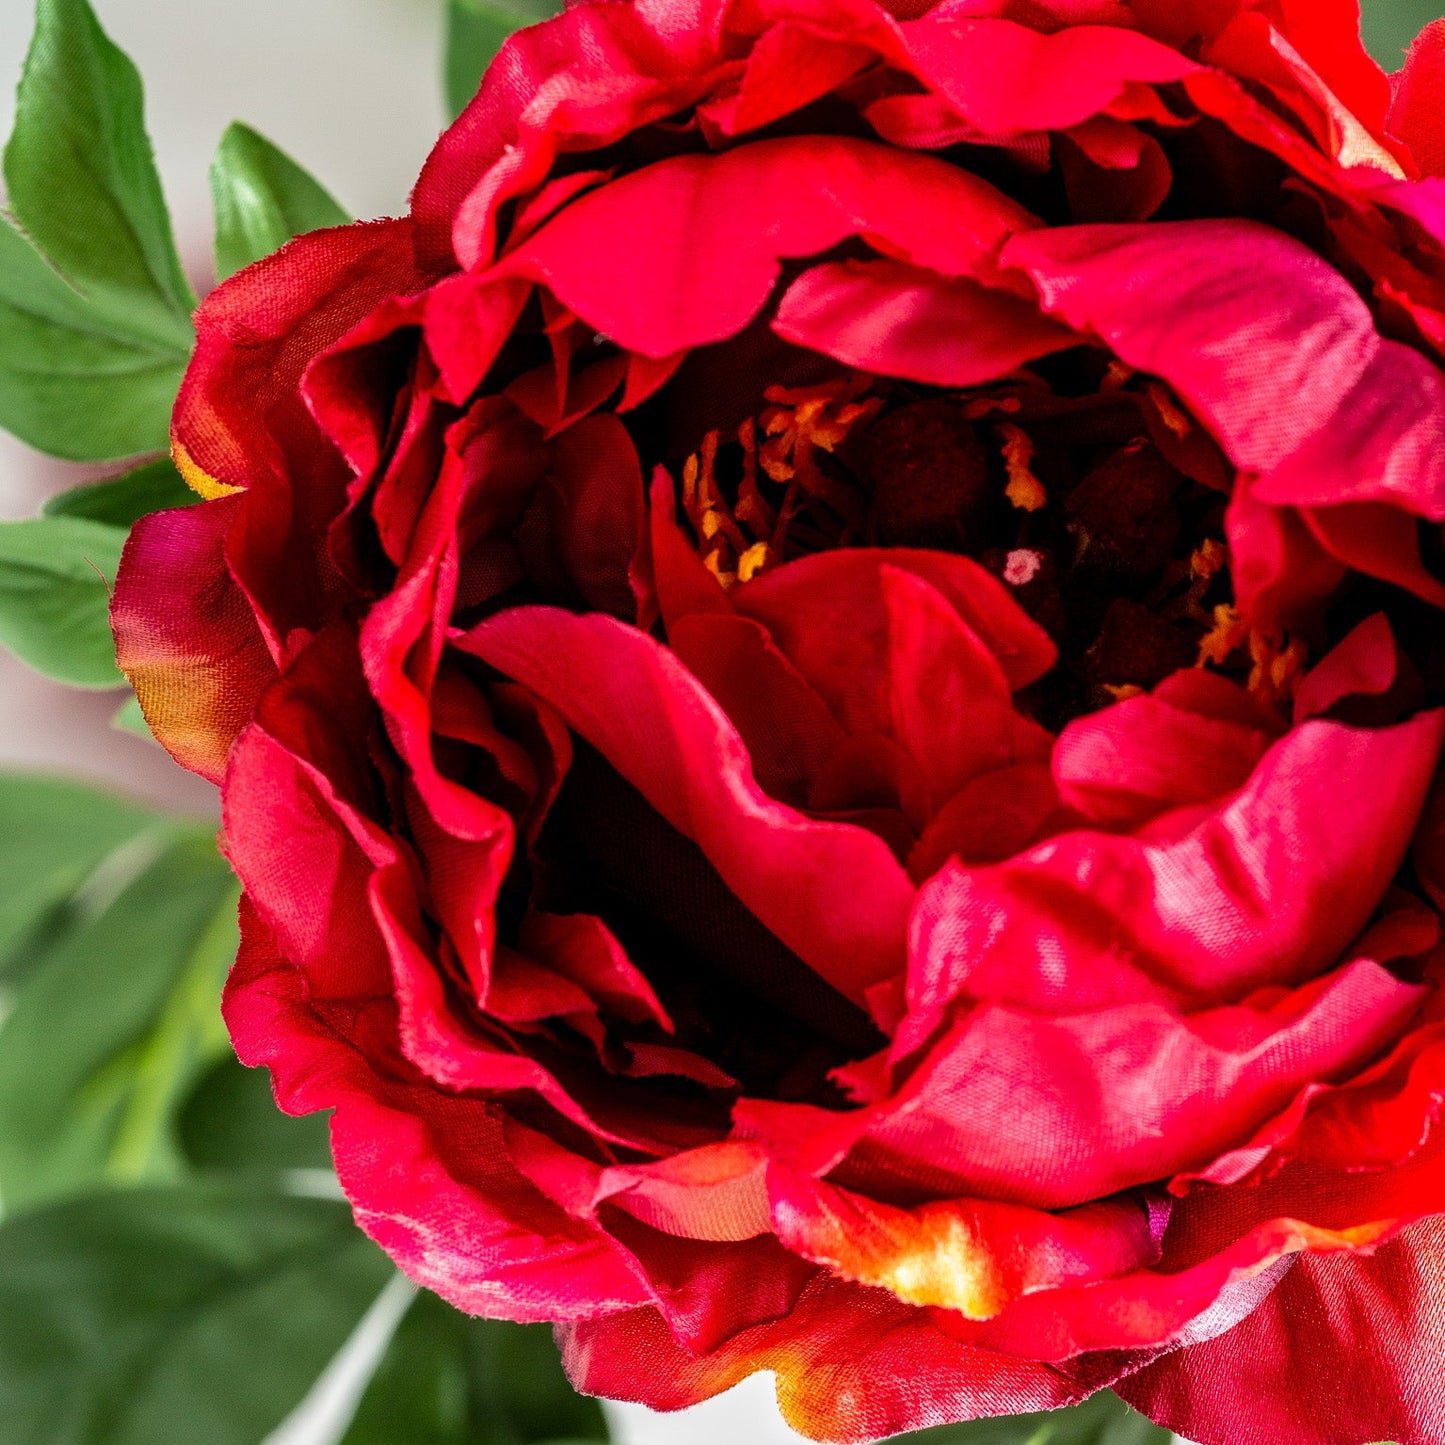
[698, 267]
[1346, 1348]
[833, 894]
[186, 636]
[1418, 114]
[897, 320]
[852, 1364]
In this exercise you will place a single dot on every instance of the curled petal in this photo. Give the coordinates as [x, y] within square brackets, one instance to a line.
[186, 636]
[897, 320]
[832, 893]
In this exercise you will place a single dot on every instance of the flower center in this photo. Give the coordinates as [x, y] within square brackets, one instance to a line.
[1084, 486]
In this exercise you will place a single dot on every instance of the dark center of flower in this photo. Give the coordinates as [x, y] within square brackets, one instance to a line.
[1084, 486]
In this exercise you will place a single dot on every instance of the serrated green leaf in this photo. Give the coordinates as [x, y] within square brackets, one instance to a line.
[448, 1379]
[122, 501]
[262, 199]
[55, 579]
[114, 1022]
[475, 32]
[82, 179]
[172, 1316]
[230, 1123]
[54, 834]
[78, 381]
[1102, 1419]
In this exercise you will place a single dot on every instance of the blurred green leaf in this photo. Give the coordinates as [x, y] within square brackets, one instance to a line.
[262, 199]
[94, 307]
[173, 1316]
[55, 579]
[130, 719]
[451, 1380]
[122, 501]
[54, 834]
[230, 1122]
[115, 1020]
[475, 32]
[1103, 1419]
[1390, 25]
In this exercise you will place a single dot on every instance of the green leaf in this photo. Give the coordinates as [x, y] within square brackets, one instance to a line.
[475, 32]
[1103, 1419]
[94, 306]
[171, 1316]
[55, 580]
[451, 1380]
[1390, 25]
[82, 179]
[130, 719]
[122, 501]
[114, 1022]
[230, 1122]
[76, 381]
[262, 199]
[54, 834]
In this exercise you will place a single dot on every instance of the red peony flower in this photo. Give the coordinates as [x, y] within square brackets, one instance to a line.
[823, 669]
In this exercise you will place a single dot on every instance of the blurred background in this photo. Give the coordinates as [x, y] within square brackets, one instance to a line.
[352, 89]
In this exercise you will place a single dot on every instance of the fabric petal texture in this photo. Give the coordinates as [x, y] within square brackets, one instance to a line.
[827, 675]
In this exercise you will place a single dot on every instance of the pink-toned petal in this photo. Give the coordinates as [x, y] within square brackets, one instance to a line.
[1123, 766]
[1112, 171]
[718, 1192]
[1281, 572]
[897, 320]
[1056, 1111]
[1363, 664]
[1266, 889]
[1268, 344]
[832, 893]
[1003, 77]
[698, 268]
[1346, 1347]
[185, 635]
[683, 585]
[582, 79]
[1150, 1309]
[790, 66]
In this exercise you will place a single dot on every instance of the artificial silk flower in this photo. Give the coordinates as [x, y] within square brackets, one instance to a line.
[827, 677]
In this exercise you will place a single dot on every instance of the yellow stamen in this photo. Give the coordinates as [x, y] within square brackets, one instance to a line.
[1227, 634]
[1169, 413]
[1024, 489]
[753, 561]
[1118, 376]
[1209, 560]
